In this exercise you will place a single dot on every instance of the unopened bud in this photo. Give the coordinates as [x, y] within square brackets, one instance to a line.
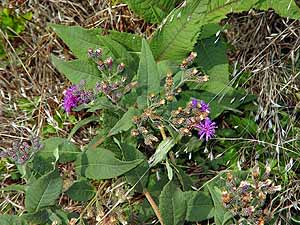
[121, 67]
[98, 52]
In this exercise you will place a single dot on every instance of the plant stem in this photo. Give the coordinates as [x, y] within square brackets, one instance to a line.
[162, 132]
[154, 206]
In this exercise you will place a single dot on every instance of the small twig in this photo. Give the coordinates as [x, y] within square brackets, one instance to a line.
[154, 206]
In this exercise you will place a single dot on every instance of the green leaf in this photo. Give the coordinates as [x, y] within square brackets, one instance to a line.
[148, 75]
[101, 164]
[79, 40]
[213, 60]
[43, 192]
[161, 152]
[139, 175]
[199, 206]
[125, 123]
[172, 205]
[152, 11]
[132, 42]
[81, 190]
[221, 216]
[11, 220]
[78, 70]
[218, 9]
[82, 123]
[67, 151]
[40, 217]
[169, 170]
[179, 32]
[15, 187]
[101, 103]
[182, 26]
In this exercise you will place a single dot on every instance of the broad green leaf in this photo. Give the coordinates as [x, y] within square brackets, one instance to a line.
[139, 175]
[165, 67]
[125, 123]
[148, 75]
[81, 190]
[221, 216]
[58, 216]
[161, 152]
[82, 123]
[78, 39]
[11, 220]
[218, 9]
[182, 26]
[120, 54]
[43, 192]
[213, 60]
[101, 103]
[78, 70]
[179, 32]
[132, 42]
[152, 10]
[172, 205]
[199, 206]
[184, 179]
[40, 217]
[102, 164]
[67, 151]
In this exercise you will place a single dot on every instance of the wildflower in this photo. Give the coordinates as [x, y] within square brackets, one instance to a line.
[71, 99]
[100, 65]
[226, 198]
[204, 107]
[90, 53]
[76, 95]
[195, 103]
[95, 54]
[22, 151]
[244, 186]
[109, 62]
[206, 128]
[98, 52]
[121, 67]
[201, 105]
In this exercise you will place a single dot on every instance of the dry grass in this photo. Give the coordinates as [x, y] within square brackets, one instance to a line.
[267, 46]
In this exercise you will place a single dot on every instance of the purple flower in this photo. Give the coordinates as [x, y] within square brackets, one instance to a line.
[71, 98]
[204, 107]
[206, 128]
[195, 103]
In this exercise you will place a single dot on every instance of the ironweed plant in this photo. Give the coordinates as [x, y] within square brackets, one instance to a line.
[159, 104]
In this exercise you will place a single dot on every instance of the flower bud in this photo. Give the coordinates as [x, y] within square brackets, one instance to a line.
[98, 52]
[121, 67]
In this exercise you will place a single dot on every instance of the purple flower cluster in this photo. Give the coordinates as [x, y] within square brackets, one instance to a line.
[76, 95]
[201, 105]
[206, 127]
[104, 64]
[22, 151]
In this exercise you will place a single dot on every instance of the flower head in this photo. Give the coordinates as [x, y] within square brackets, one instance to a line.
[71, 98]
[76, 95]
[201, 105]
[195, 103]
[206, 128]
[204, 107]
